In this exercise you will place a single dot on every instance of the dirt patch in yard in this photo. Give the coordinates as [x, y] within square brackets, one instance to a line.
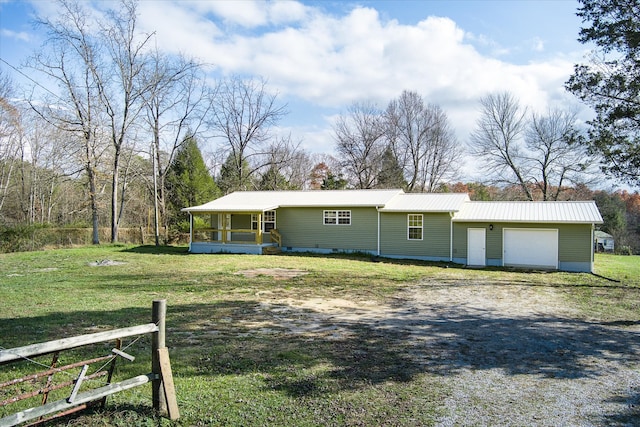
[509, 354]
[105, 263]
[275, 273]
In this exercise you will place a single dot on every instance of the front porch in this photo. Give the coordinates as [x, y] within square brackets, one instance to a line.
[233, 232]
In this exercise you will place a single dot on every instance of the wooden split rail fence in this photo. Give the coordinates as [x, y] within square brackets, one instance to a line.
[161, 377]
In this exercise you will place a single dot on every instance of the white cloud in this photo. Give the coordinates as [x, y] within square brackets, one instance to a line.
[537, 44]
[287, 12]
[17, 35]
[330, 61]
[246, 13]
[178, 29]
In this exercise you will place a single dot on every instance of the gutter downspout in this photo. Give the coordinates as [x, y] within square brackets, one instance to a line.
[451, 237]
[378, 248]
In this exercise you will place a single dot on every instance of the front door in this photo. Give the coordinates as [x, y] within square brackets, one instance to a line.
[476, 247]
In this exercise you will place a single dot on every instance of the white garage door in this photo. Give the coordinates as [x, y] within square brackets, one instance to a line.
[531, 248]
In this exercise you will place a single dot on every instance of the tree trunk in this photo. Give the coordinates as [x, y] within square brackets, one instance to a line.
[115, 219]
[94, 205]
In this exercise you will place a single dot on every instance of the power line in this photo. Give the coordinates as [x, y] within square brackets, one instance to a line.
[17, 70]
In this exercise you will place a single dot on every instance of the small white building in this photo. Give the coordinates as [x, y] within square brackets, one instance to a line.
[604, 242]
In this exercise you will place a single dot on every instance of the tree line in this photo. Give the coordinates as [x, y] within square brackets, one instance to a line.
[119, 132]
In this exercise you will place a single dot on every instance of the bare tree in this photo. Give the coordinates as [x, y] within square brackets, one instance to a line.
[442, 154]
[175, 104]
[43, 164]
[497, 140]
[10, 136]
[359, 136]
[285, 166]
[555, 156]
[121, 87]
[243, 116]
[69, 58]
[98, 68]
[422, 141]
[297, 169]
[56, 169]
[537, 153]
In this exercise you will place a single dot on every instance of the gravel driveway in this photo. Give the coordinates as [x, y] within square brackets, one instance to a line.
[511, 355]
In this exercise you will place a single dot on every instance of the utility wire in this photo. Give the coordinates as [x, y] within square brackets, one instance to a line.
[17, 70]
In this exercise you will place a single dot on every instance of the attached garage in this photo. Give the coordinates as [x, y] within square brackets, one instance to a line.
[541, 235]
[526, 247]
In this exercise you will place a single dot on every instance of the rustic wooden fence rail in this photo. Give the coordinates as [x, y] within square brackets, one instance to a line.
[161, 377]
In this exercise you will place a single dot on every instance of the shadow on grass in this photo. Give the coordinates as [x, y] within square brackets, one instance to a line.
[605, 282]
[305, 352]
[118, 415]
[158, 250]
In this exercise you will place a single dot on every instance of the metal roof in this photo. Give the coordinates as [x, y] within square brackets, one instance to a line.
[398, 201]
[583, 212]
[258, 201]
[602, 235]
[426, 202]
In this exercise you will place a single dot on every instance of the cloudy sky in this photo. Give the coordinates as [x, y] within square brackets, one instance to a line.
[321, 56]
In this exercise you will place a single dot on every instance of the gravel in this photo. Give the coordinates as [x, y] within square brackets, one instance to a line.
[511, 355]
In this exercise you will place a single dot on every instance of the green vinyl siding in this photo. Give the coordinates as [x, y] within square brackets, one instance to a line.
[304, 228]
[435, 241]
[242, 222]
[574, 240]
[493, 239]
[575, 243]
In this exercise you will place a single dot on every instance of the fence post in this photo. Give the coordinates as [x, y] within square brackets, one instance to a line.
[158, 342]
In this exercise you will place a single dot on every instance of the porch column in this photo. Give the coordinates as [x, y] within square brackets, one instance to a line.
[191, 230]
[259, 230]
[224, 227]
[593, 247]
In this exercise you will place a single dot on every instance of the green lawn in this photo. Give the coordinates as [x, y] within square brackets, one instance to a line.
[225, 373]
[625, 269]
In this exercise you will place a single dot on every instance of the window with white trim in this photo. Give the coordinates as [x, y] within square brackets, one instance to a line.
[268, 221]
[414, 226]
[337, 217]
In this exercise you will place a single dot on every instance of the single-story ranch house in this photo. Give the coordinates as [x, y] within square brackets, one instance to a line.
[391, 223]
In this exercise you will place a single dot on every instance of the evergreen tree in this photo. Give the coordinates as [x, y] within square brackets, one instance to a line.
[391, 174]
[334, 182]
[613, 211]
[272, 179]
[188, 181]
[234, 176]
[611, 84]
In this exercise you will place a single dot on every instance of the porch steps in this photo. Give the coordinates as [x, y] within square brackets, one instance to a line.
[271, 250]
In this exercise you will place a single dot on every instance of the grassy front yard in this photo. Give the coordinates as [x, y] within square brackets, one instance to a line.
[241, 355]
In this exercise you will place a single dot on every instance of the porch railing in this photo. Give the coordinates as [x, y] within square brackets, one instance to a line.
[235, 235]
[276, 237]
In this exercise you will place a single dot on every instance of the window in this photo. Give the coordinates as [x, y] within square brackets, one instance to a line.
[414, 222]
[268, 221]
[337, 217]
